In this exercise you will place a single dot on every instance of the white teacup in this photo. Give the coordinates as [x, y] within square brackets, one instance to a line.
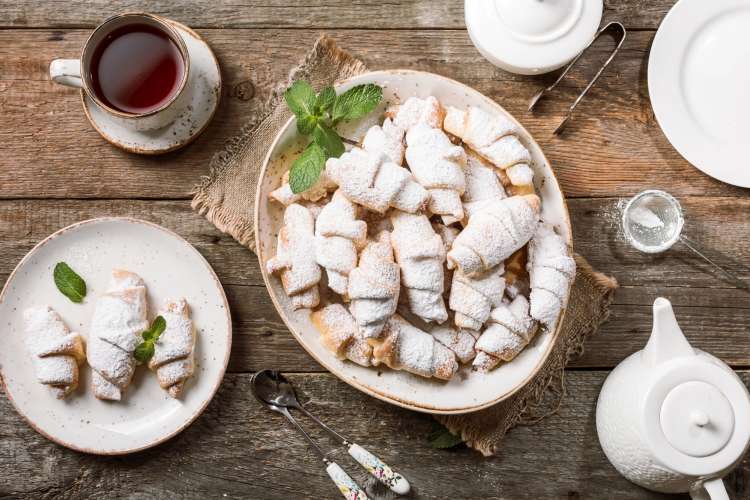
[77, 73]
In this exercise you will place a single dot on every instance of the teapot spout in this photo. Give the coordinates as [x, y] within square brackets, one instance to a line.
[667, 340]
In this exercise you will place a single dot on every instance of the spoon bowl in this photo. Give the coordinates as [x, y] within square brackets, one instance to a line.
[272, 388]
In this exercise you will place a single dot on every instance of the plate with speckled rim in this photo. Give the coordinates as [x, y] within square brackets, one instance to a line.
[468, 390]
[171, 268]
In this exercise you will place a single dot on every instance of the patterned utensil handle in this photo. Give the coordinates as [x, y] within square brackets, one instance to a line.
[392, 479]
[345, 484]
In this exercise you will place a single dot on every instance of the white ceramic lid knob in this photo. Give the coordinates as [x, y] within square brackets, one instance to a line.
[697, 419]
[532, 36]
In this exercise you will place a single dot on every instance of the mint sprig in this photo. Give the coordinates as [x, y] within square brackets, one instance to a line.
[69, 283]
[317, 116]
[145, 350]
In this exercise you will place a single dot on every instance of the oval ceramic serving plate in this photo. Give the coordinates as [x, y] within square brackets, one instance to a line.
[468, 390]
[147, 415]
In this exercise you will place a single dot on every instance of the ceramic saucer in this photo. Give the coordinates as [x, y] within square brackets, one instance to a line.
[698, 79]
[204, 87]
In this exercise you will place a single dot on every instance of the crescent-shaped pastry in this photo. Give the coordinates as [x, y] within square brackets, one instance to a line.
[511, 328]
[316, 192]
[387, 139]
[494, 233]
[460, 341]
[295, 258]
[174, 358]
[421, 254]
[338, 236]
[406, 347]
[474, 297]
[416, 110]
[56, 352]
[375, 182]
[551, 270]
[340, 335]
[116, 326]
[438, 165]
[495, 137]
[374, 286]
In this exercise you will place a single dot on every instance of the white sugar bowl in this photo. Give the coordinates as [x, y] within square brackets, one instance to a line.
[672, 418]
[530, 37]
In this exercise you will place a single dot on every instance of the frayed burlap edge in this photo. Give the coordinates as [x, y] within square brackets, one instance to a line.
[212, 197]
[588, 307]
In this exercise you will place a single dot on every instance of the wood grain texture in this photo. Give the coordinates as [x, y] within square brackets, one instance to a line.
[238, 449]
[714, 315]
[624, 148]
[329, 14]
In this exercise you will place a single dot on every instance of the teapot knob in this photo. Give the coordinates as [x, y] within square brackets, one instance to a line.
[699, 418]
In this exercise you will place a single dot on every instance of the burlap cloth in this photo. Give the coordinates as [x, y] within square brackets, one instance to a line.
[227, 197]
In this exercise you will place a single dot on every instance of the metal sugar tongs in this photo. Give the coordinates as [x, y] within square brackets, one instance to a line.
[537, 97]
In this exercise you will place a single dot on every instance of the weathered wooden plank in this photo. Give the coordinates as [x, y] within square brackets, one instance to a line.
[413, 14]
[237, 449]
[613, 147]
[714, 316]
[715, 221]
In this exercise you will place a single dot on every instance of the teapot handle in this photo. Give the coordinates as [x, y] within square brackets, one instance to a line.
[712, 489]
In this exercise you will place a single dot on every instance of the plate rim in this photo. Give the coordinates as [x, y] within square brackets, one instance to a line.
[667, 114]
[197, 412]
[410, 405]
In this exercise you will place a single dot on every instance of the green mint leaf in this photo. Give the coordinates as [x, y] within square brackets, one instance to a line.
[442, 439]
[144, 351]
[300, 98]
[325, 100]
[156, 329]
[306, 169]
[327, 138]
[69, 283]
[356, 102]
[306, 124]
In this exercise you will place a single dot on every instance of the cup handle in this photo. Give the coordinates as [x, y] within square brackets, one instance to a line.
[713, 489]
[66, 72]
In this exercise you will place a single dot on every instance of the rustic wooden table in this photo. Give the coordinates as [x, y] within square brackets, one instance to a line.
[56, 170]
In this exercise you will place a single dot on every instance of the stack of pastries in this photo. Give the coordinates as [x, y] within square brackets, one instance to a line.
[430, 237]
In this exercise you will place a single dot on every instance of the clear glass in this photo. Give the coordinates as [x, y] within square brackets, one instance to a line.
[652, 221]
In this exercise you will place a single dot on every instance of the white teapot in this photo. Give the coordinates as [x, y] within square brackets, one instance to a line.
[672, 418]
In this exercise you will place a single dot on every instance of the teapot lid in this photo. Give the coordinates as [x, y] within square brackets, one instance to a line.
[697, 416]
[532, 36]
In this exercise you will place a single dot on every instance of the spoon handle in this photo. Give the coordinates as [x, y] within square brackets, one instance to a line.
[344, 483]
[380, 470]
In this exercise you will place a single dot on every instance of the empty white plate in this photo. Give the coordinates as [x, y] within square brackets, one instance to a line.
[147, 415]
[698, 80]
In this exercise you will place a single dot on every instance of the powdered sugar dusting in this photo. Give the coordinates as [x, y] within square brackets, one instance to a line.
[119, 319]
[55, 351]
[421, 254]
[173, 358]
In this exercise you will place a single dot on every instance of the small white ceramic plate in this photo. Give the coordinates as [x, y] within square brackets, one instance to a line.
[468, 390]
[147, 415]
[698, 80]
[204, 87]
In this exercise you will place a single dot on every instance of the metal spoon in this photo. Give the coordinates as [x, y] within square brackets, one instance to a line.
[274, 390]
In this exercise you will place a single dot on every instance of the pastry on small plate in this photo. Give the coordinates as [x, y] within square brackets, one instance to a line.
[116, 326]
[55, 350]
[174, 357]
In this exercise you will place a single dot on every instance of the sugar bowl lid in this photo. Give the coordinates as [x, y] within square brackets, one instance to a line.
[532, 36]
[697, 416]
